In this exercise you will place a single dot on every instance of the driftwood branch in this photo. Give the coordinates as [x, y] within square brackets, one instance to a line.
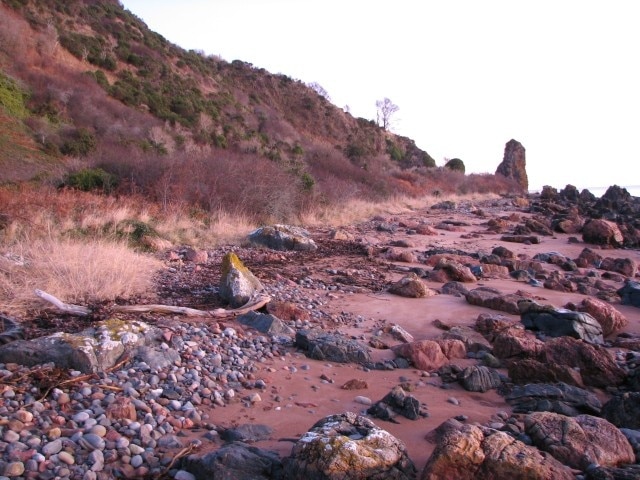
[255, 303]
[78, 310]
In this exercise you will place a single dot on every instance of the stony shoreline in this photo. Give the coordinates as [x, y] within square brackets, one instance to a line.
[202, 386]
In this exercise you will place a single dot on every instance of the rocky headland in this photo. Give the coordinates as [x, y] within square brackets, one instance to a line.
[489, 339]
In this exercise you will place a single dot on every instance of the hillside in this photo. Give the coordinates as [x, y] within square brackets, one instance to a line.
[105, 96]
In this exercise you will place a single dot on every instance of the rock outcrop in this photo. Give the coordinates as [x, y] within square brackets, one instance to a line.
[514, 164]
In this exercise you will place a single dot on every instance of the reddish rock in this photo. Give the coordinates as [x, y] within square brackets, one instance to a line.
[491, 298]
[607, 316]
[424, 354]
[514, 164]
[602, 232]
[597, 366]
[456, 271]
[411, 286]
[452, 348]
[579, 441]
[494, 271]
[426, 230]
[491, 324]
[516, 342]
[624, 266]
[463, 452]
[196, 256]
[529, 370]
[588, 258]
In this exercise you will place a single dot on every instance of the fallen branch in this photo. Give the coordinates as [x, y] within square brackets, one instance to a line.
[254, 304]
[78, 310]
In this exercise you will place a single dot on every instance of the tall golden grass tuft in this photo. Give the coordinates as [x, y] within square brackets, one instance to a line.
[74, 271]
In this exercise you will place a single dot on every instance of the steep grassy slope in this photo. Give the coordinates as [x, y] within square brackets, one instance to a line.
[105, 95]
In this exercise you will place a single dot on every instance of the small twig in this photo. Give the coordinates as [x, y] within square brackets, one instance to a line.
[182, 453]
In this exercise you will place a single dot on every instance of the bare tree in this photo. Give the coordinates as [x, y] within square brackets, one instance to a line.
[320, 90]
[385, 110]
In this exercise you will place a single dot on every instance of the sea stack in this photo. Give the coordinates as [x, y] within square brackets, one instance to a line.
[514, 164]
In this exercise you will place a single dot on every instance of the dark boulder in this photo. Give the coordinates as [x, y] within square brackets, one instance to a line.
[630, 293]
[558, 397]
[333, 347]
[558, 322]
[514, 164]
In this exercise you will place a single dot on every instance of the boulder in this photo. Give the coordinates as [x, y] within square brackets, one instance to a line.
[602, 232]
[623, 410]
[92, 350]
[596, 364]
[412, 287]
[332, 347]
[579, 441]
[514, 164]
[473, 341]
[494, 299]
[424, 354]
[610, 319]
[530, 370]
[630, 293]
[237, 284]
[248, 433]
[452, 348]
[625, 266]
[396, 402]
[283, 237]
[455, 271]
[348, 447]
[558, 322]
[588, 258]
[478, 378]
[237, 461]
[558, 397]
[625, 472]
[466, 452]
[515, 342]
[265, 323]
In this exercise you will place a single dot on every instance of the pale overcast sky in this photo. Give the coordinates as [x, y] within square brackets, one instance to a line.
[562, 76]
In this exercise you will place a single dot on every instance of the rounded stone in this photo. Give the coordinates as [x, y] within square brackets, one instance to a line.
[66, 457]
[13, 469]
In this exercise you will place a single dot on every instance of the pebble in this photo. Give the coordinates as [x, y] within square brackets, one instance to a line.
[66, 457]
[362, 400]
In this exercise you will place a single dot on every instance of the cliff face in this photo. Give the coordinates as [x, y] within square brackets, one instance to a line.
[514, 164]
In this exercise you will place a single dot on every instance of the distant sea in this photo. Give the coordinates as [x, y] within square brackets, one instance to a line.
[634, 190]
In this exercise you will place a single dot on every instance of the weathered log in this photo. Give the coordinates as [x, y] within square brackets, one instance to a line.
[254, 303]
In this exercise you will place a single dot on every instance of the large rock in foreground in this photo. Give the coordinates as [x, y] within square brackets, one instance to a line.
[94, 349]
[602, 232]
[579, 441]
[237, 461]
[345, 447]
[283, 237]
[466, 452]
[237, 284]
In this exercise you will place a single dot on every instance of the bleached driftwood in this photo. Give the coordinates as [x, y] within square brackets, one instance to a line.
[78, 310]
[254, 303]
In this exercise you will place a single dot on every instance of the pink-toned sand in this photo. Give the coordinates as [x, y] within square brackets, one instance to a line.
[305, 398]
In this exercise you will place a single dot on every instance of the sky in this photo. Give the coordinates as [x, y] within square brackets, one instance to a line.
[562, 77]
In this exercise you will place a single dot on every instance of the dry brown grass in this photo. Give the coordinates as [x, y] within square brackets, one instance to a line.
[74, 271]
